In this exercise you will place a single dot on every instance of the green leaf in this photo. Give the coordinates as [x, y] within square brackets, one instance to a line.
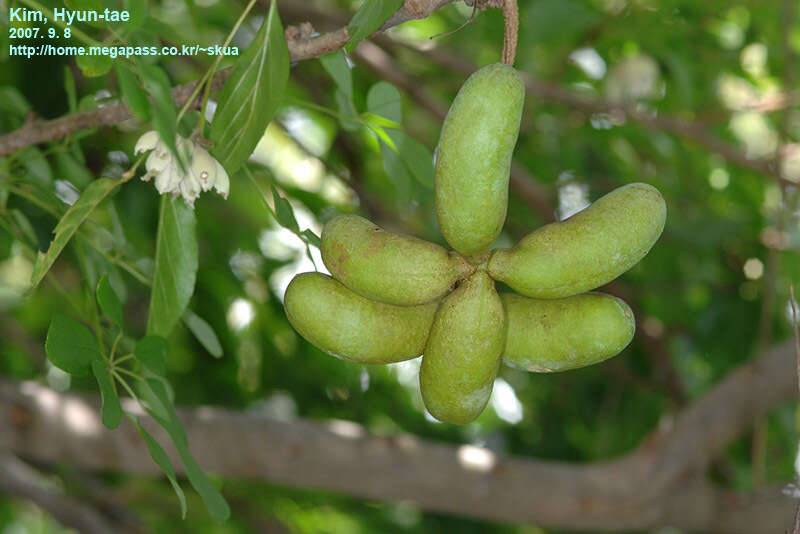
[70, 346]
[165, 117]
[12, 102]
[203, 332]
[36, 164]
[336, 65]
[91, 197]
[175, 265]
[373, 120]
[134, 96]
[557, 21]
[416, 157]
[385, 100]
[396, 170]
[349, 121]
[109, 301]
[138, 11]
[25, 227]
[284, 212]
[251, 95]
[69, 87]
[94, 66]
[67, 167]
[212, 498]
[382, 135]
[152, 352]
[311, 238]
[159, 456]
[112, 409]
[369, 18]
[156, 407]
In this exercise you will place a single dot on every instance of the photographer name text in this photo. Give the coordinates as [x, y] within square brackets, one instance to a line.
[68, 16]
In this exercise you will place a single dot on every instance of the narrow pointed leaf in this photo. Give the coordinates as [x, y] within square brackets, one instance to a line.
[109, 301]
[159, 456]
[284, 212]
[175, 266]
[251, 95]
[91, 197]
[203, 332]
[369, 18]
[112, 410]
[336, 65]
[213, 499]
[134, 96]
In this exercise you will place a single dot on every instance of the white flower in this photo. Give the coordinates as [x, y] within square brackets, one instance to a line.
[202, 174]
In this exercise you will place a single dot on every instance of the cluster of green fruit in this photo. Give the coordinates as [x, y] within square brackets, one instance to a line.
[394, 297]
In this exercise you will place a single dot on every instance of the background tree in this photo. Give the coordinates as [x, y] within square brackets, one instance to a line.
[692, 427]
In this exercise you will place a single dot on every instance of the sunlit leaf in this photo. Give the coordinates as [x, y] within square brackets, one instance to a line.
[251, 95]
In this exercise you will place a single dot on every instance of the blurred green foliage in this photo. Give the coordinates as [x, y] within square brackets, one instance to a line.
[700, 292]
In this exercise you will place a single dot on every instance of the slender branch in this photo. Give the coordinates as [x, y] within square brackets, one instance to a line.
[660, 483]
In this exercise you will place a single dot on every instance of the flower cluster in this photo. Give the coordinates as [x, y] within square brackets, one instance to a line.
[200, 173]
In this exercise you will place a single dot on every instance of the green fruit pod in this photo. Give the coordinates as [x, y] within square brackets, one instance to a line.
[463, 353]
[473, 158]
[544, 336]
[392, 268]
[587, 250]
[350, 327]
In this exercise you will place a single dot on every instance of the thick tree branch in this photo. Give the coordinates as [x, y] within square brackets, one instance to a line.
[660, 483]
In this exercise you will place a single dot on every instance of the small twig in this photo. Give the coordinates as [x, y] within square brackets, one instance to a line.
[511, 17]
[463, 24]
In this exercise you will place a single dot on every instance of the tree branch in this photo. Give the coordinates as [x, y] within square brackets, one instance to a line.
[660, 483]
[17, 479]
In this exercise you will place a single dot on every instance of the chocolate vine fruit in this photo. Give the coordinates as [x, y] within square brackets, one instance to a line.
[587, 250]
[393, 297]
[393, 268]
[346, 325]
[546, 336]
[474, 157]
[462, 356]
